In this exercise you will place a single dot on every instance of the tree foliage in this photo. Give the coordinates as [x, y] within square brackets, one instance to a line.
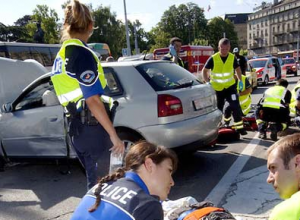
[187, 21]
[218, 28]
[110, 30]
[48, 19]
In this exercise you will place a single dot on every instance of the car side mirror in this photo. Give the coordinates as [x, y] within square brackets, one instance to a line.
[6, 108]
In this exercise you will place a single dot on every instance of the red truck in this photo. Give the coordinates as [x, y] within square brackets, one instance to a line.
[194, 56]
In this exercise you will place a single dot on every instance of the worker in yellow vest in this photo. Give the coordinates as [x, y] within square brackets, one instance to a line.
[174, 52]
[274, 109]
[295, 101]
[79, 83]
[244, 99]
[284, 174]
[219, 72]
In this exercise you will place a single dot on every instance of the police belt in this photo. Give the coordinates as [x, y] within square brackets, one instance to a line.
[84, 115]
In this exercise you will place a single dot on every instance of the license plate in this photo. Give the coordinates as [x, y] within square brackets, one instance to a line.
[202, 103]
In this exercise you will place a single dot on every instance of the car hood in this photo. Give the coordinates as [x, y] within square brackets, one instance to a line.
[15, 75]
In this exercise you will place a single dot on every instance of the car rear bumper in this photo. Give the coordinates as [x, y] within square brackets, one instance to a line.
[202, 129]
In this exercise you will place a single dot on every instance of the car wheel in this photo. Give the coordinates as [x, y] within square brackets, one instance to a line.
[295, 74]
[266, 81]
[129, 139]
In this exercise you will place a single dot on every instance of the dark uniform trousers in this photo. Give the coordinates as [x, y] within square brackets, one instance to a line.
[230, 95]
[272, 115]
[92, 144]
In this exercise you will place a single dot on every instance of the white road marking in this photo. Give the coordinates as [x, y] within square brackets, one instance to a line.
[217, 194]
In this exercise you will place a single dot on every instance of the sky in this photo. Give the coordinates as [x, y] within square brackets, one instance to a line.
[148, 12]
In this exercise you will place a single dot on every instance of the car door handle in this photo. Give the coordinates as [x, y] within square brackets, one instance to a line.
[53, 119]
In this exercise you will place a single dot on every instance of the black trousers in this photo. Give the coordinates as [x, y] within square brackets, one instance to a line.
[230, 95]
[92, 144]
[277, 116]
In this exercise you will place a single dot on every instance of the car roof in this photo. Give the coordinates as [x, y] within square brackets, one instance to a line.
[132, 63]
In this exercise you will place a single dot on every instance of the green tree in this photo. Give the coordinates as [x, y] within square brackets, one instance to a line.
[110, 30]
[218, 27]
[187, 21]
[141, 36]
[49, 21]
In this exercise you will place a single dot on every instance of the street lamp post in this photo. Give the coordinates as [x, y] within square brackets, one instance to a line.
[298, 43]
[127, 32]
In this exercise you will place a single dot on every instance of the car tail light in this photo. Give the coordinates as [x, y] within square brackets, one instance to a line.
[260, 72]
[169, 105]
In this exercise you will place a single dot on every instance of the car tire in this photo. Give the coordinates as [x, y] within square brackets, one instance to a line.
[295, 74]
[129, 138]
[266, 81]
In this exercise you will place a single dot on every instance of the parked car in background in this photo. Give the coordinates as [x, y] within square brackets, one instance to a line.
[251, 76]
[268, 69]
[158, 101]
[289, 66]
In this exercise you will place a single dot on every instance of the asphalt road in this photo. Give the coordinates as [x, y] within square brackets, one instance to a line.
[230, 174]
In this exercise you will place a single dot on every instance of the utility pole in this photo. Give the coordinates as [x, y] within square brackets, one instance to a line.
[127, 32]
[137, 51]
[297, 58]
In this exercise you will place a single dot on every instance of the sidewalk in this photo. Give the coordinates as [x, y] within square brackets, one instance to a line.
[250, 197]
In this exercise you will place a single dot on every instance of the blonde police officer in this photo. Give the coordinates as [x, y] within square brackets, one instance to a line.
[79, 83]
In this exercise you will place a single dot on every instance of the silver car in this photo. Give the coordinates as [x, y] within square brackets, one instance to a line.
[158, 101]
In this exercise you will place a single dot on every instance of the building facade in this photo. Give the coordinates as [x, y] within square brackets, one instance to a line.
[274, 28]
[240, 26]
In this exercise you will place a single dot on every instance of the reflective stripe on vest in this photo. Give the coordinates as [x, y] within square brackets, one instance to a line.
[222, 74]
[180, 61]
[274, 96]
[293, 99]
[245, 100]
[66, 86]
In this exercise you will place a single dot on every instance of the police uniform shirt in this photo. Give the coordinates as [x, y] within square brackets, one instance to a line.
[81, 63]
[127, 199]
[210, 63]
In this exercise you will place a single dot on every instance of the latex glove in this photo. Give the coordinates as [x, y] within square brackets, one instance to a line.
[241, 85]
[172, 50]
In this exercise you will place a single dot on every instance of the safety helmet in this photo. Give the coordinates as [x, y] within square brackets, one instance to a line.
[236, 50]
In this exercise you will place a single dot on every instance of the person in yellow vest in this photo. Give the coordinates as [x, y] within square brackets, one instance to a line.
[284, 174]
[219, 72]
[174, 52]
[79, 83]
[244, 99]
[274, 108]
[295, 101]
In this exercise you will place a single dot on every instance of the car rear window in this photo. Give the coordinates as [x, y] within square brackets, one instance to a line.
[258, 63]
[288, 61]
[165, 76]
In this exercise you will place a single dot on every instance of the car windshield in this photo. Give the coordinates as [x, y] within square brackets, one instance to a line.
[258, 63]
[166, 76]
[288, 61]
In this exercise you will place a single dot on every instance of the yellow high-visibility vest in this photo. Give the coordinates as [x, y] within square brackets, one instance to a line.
[66, 87]
[222, 74]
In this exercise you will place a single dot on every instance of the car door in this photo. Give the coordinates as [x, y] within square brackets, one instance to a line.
[271, 70]
[35, 126]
